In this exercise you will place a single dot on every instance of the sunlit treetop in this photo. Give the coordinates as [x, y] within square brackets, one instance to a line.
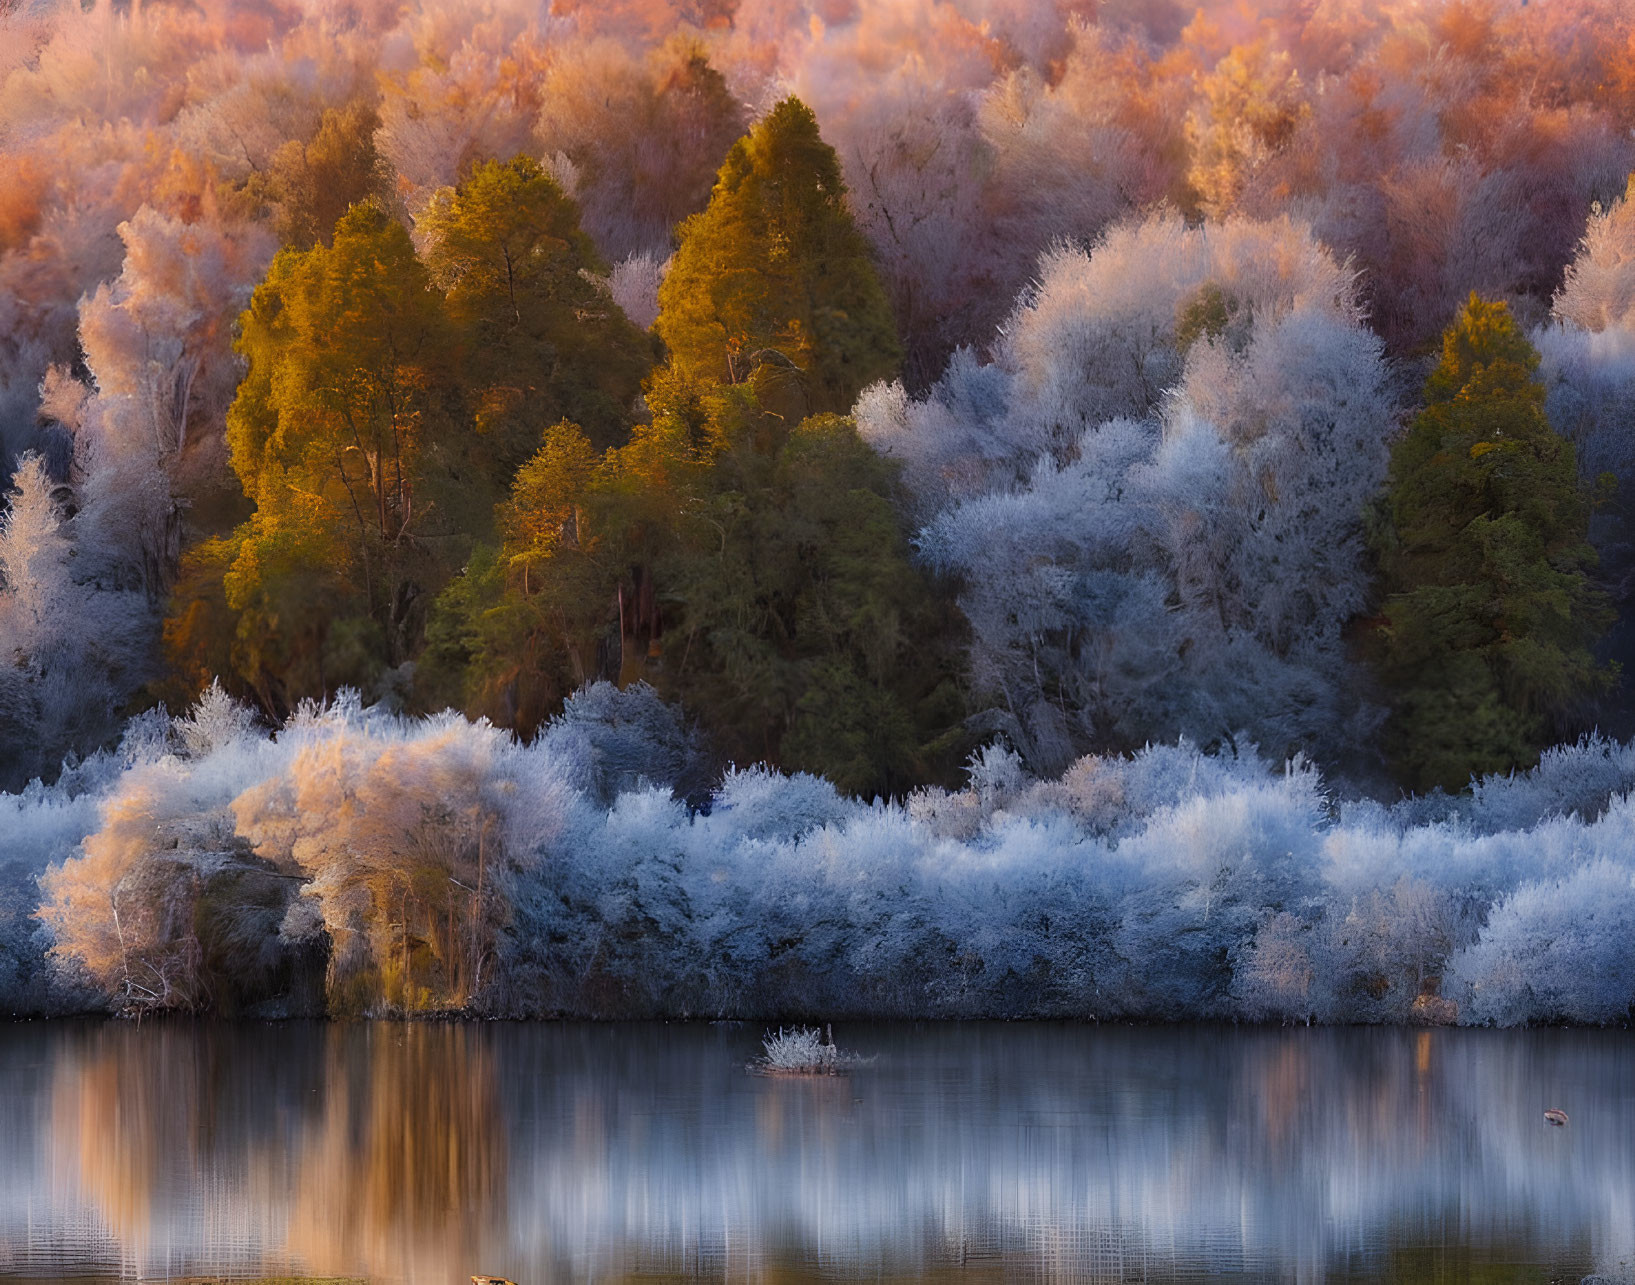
[542, 338]
[774, 274]
[1491, 614]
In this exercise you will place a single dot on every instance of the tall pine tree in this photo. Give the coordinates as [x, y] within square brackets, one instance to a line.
[543, 338]
[773, 283]
[1490, 612]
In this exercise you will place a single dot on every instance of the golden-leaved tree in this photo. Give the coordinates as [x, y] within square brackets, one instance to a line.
[773, 283]
[542, 338]
[389, 399]
[337, 424]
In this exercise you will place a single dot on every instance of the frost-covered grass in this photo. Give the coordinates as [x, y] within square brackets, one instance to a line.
[804, 1050]
[358, 861]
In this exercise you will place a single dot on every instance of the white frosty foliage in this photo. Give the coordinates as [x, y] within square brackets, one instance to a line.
[801, 1051]
[1556, 949]
[611, 740]
[67, 649]
[1598, 292]
[635, 286]
[1168, 883]
[1153, 542]
[1587, 361]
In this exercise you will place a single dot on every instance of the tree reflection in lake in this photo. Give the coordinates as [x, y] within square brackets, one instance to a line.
[543, 1152]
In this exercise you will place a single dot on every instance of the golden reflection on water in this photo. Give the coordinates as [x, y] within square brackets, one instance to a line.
[390, 1164]
[110, 1117]
[403, 1166]
[428, 1152]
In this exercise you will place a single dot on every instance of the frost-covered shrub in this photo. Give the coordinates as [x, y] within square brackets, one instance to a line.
[215, 722]
[1579, 780]
[38, 826]
[801, 1051]
[615, 739]
[1555, 950]
[163, 903]
[362, 861]
[392, 829]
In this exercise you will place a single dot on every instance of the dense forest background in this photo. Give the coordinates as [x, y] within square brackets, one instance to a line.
[1131, 458]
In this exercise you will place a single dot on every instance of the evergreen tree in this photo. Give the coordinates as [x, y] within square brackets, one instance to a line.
[805, 630]
[756, 572]
[336, 434]
[774, 283]
[1490, 611]
[544, 340]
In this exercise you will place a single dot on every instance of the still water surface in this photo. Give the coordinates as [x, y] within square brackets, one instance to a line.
[547, 1152]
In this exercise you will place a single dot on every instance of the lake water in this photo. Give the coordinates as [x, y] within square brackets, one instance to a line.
[548, 1152]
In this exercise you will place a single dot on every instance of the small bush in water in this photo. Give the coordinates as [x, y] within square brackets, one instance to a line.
[802, 1051]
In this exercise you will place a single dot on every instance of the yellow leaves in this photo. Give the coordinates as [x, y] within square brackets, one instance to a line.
[775, 263]
[1481, 449]
[494, 406]
[545, 509]
[1253, 104]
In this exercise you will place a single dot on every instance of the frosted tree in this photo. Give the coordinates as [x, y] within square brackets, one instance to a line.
[138, 443]
[468, 93]
[1587, 362]
[644, 135]
[1154, 504]
[397, 832]
[1552, 950]
[634, 285]
[962, 165]
[158, 341]
[611, 740]
[34, 570]
[1437, 159]
[1598, 292]
[68, 651]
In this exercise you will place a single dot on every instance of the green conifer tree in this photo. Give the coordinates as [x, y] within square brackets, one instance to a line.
[1490, 612]
[773, 283]
[543, 339]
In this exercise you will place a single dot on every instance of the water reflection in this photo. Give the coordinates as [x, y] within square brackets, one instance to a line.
[543, 1152]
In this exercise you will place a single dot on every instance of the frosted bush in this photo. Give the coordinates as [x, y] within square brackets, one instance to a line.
[216, 721]
[614, 739]
[1579, 780]
[802, 1051]
[1554, 950]
[755, 803]
[356, 860]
